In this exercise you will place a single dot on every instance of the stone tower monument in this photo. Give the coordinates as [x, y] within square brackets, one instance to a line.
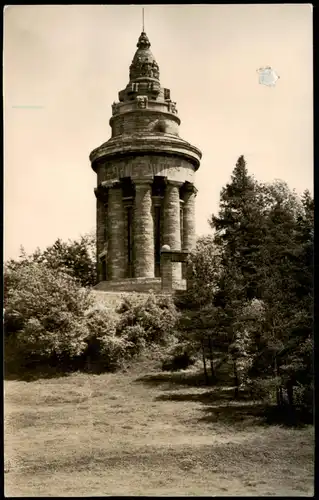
[145, 183]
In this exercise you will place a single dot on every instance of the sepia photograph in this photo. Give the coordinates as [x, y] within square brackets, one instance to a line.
[158, 250]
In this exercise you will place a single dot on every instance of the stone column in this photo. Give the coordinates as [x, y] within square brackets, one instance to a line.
[143, 230]
[101, 222]
[172, 224]
[116, 224]
[189, 236]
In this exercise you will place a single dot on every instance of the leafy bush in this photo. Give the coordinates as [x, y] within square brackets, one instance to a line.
[178, 362]
[44, 314]
[49, 318]
[104, 351]
[108, 346]
[135, 338]
[100, 321]
[114, 352]
[304, 398]
[263, 389]
[156, 318]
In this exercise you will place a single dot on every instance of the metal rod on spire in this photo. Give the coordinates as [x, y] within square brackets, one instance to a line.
[143, 17]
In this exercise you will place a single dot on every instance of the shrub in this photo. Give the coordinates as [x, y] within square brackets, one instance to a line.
[263, 388]
[114, 351]
[178, 362]
[180, 356]
[156, 317]
[44, 314]
[107, 347]
[135, 338]
[100, 321]
[104, 351]
[304, 398]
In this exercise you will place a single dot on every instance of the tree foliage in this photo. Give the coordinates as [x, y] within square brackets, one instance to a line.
[251, 286]
[74, 257]
[203, 269]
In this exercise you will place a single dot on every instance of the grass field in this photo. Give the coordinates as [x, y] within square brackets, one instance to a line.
[147, 433]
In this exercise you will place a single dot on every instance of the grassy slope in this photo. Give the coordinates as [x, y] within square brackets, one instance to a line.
[146, 433]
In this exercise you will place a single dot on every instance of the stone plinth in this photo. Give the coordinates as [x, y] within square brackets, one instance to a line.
[142, 285]
[169, 259]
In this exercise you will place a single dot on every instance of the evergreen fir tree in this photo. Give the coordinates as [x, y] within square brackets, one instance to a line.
[240, 229]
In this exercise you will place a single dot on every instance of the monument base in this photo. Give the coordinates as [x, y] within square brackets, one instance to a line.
[140, 285]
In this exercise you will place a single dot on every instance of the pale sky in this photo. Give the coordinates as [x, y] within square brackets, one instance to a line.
[64, 66]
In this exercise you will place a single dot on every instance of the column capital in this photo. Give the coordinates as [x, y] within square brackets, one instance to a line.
[174, 183]
[101, 193]
[143, 181]
[110, 184]
[189, 188]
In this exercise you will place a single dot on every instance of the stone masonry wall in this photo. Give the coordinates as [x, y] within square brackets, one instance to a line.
[137, 122]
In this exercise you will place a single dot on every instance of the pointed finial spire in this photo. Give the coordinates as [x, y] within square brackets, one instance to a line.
[143, 64]
[143, 19]
[143, 41]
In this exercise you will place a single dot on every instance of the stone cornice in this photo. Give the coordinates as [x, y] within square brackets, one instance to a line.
[146, 143]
